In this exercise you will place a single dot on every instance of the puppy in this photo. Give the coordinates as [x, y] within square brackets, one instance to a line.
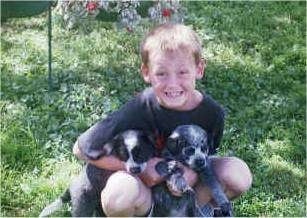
[189, 145]
[134, 147]
[165, 203]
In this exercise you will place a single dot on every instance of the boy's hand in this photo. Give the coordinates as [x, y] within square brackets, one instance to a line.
[150, 176]
[189, 175]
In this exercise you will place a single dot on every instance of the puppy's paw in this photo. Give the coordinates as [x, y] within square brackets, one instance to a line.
[162, 168]
[177, 184]
[173, 167]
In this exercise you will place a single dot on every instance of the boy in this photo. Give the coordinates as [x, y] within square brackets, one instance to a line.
[171, 64]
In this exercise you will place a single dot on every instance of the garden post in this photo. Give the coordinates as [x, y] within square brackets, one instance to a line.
[49, 48]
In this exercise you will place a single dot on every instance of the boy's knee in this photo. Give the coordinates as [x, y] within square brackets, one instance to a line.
[122, 195]
[235, 175]
[119, 193]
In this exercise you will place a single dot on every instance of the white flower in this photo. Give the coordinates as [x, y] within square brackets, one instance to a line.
[74, 12]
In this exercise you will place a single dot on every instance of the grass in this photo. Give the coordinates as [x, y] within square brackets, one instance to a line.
[256, 69]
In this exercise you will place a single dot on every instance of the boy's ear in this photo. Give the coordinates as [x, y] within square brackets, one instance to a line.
[201, 66]
[145, 73]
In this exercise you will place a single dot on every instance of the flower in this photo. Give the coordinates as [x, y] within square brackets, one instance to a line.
[91, 6]
[128, 16]
[166, 12]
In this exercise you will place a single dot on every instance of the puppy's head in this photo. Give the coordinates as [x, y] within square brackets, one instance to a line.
[135, 148]
[189, 144]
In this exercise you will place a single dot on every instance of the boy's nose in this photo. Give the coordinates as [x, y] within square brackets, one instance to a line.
[172, 80]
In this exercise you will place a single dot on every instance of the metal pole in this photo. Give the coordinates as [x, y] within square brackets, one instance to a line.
[49, 48]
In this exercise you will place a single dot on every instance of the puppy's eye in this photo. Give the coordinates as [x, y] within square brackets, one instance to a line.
[122, 154]
[136, 152]
[189, 151]
[138, 155]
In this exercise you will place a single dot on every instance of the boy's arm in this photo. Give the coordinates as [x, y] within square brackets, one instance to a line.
[107, 162]
[190, 176]
[91, 142]
[217, 133]
[150, 176]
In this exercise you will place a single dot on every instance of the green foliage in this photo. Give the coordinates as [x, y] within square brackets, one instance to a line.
[256, 55]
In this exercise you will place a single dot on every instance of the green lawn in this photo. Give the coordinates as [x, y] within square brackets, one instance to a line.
[256, 55]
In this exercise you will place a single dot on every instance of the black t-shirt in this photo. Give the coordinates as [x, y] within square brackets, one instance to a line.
[144, 113]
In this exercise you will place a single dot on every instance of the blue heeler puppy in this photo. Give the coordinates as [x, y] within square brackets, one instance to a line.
[187, 144]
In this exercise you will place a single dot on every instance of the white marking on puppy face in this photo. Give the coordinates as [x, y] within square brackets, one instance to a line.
[130, 140]
[190, 160]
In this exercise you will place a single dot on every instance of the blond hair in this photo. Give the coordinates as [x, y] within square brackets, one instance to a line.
[170, 37]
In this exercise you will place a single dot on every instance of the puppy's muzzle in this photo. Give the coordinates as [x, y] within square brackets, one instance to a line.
[200, 162]
[135, 170]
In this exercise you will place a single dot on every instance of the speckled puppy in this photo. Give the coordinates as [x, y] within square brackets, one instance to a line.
[188, 144]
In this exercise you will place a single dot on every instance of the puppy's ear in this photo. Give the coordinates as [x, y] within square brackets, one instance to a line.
[162, 168]
[173, 144]
[108, 148]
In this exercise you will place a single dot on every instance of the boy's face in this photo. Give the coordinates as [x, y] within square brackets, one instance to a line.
[173, 74]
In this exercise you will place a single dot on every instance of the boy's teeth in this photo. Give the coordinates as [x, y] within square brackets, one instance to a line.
[173, 94]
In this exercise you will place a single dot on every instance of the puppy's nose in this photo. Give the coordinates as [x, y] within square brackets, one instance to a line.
[135, 170]
[199, 162]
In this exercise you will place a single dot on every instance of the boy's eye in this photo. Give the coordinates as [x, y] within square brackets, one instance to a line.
[183, 73]
[160, 74]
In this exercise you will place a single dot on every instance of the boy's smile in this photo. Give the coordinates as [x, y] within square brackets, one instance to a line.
[172, 75]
